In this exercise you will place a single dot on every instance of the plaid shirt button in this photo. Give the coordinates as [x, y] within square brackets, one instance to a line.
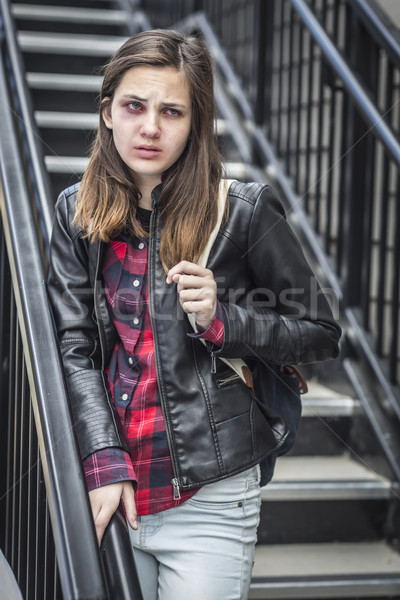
[141, 246]
[136, 321]
[136, 283]
[130, 360]
[124, 397]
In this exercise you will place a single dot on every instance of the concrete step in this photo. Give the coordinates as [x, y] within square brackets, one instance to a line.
[90, 16]
[324, 478]
[77, 120]
[66, 120]
[77, 165]
[79, 3]
[326, 424]
[69, 44]
[74, 19]
[322, 401]
[64, 82]
[352, 570]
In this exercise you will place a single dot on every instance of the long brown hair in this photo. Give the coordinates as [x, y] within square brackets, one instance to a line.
[108, 195]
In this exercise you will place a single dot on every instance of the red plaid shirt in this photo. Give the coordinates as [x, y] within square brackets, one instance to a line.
[133, 384]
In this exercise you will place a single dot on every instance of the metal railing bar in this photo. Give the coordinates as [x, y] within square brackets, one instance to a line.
[29, 126]
[380, 32]
[32, 445]
[120, 567]
[199, 21]
[372, 116]
[274, 168]
[299, 104]
[135, 16]
[395, 319]
[364, 348]
[75, 541]
[382, 259]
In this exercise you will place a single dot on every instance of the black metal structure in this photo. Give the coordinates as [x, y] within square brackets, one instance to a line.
[47, 533]
[322, 108]
[317, 119]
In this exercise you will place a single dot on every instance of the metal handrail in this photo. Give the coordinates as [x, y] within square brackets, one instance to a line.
[74, 536]
[81, 570]
[44, 201]
[275, 171]
[373, 117]
[377, 28]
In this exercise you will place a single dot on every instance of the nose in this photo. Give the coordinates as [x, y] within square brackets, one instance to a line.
[150, 126]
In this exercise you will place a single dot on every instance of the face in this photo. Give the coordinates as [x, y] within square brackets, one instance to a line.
[150, 118]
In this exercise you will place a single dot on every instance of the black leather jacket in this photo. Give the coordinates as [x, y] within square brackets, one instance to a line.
[273, 309]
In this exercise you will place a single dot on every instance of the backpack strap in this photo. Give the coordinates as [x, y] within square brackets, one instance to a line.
[237, 364]
[224, 186]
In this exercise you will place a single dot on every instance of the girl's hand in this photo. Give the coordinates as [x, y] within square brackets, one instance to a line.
[196, 289]
[105, 501]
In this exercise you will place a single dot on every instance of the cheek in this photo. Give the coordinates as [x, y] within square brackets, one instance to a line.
[182, 138]
[120, 136]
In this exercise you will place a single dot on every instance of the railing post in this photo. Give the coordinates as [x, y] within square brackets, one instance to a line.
[262, 72]
[353, 185]
[118, 561]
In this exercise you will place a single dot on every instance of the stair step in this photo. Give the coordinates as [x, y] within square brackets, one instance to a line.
[322, 401]
[69, 43]
[66, 120]
[350, 570]
[65, 82]
[90, 3]
[68, 14]
[324, 478]
[66, 164]
[77, 164]
[76, 120]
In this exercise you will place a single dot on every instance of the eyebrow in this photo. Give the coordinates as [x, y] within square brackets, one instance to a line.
[164, 104]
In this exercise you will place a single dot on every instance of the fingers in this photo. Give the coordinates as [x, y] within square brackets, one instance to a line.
[186, 268]
[197, 290]
[128, 497]
[104, 502]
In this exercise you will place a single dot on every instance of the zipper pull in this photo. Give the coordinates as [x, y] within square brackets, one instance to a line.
[213, 363]
[175, 485]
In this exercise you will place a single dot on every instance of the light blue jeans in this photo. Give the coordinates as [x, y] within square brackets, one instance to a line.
[204, 548]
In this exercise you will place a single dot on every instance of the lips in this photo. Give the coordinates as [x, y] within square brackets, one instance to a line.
[147, 151]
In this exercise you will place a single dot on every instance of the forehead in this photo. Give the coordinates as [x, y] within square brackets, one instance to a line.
[160, 81]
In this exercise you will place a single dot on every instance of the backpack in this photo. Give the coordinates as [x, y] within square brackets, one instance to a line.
[275, 388]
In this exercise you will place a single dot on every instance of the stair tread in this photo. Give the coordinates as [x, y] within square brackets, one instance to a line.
[318, 390]
[69, 43]
[66, 120]
[77, 120]
[314, 478]
[322, 560]
[322, 401]
[61, 81]
[324, 468]
[71, 14]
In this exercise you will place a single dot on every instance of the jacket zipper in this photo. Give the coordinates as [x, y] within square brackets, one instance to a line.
[210, 346]
[96, 278]
[174, 481]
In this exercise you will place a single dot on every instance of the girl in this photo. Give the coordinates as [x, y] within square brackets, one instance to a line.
[162, 422]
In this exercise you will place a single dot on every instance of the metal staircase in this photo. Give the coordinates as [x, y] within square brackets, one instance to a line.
[330, 518]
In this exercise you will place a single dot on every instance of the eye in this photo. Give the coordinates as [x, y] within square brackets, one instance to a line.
[172, 112]
[135, 106]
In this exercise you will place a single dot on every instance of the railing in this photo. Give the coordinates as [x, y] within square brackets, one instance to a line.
[46, 532]
[322, 81]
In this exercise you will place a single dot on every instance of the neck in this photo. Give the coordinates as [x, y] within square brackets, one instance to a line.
[146, 187]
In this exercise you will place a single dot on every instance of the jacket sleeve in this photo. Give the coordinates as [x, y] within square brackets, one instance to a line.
[286, 319]
[71, 298]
